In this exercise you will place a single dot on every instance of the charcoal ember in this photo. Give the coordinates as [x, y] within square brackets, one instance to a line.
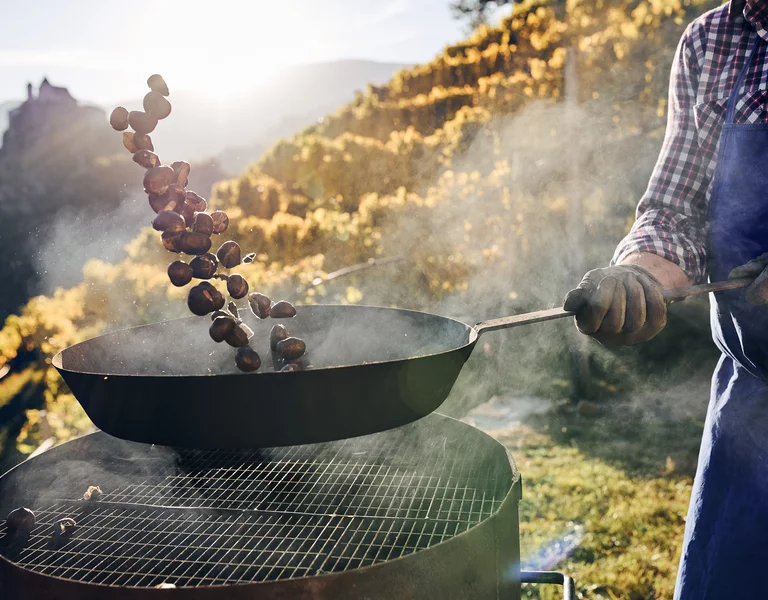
[260, 304]
[202, 223]
[221, 328]
[196, 202]
[291, 348]
[238, 337]
[229, 254]
[237, 286]
[128, 142]
[93, 493]
[194, 243]
[170, 241]
[204, 298]
[204, 266]
[219, 313]
[290, 367]
[64, 527]
[282, 310]
[180, 273]
[277, 334]
[249, 258]
[156, 106]
[157, 179]
[20, 521]
[220, 221]
[146, 159]
[181, 168]
[119, 119]
[157, 84]
[232, 307]
[141, 122]
[168, 220]
[142, 141]
[247, 359]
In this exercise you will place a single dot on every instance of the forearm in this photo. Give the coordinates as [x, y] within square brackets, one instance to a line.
[667, 272]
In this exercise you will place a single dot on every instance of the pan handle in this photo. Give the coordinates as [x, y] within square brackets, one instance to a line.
[558, 313]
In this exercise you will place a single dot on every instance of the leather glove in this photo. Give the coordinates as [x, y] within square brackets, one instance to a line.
[757, 292]
[619, 305]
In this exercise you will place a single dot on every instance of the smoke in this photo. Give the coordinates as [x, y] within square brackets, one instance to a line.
[75, 239]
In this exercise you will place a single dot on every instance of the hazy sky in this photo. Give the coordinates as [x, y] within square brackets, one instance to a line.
[103, 50]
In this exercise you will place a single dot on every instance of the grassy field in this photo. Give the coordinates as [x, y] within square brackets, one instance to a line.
[620, 480]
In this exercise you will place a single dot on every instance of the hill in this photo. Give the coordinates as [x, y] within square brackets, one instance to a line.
[239, 129]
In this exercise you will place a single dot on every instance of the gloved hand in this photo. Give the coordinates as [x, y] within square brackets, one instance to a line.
[757, 293]
[620, 305]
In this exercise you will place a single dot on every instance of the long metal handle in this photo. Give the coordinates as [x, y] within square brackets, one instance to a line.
[558, 313]
[551, 577]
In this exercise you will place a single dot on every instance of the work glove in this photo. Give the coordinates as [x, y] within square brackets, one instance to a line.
[757, 292]
[620, 305]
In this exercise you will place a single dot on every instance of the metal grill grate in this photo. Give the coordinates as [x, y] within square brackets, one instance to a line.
[216, 517]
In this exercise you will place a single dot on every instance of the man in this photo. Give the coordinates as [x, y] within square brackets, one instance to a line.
[705, 214]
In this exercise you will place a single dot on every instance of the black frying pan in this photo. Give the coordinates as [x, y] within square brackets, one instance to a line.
[371, 369]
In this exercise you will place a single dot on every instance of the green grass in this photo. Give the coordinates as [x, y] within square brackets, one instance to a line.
[625, 479]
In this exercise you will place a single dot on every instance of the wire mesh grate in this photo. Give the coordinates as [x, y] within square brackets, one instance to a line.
[197, 518]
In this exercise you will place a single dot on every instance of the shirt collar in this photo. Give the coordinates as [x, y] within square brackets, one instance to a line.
[754, 11]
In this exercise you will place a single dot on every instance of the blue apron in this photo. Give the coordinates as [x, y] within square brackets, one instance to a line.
[725, 551]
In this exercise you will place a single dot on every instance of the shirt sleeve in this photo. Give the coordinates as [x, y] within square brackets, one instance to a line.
[671, 219]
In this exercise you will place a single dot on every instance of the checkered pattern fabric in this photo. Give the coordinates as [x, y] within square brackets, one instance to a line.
[672, 216]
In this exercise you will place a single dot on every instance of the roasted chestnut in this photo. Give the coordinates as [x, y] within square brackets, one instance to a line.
[20, 521]
[282, 310]
[141, 122]
[146, 159]
[64, 527]
[277, 334]
[196, 202]
[156, 105]
[168, 220]
[157, 84]
[170, 241]
[194, 243]
[202, 223]
[238, 337]
[157, 180]
[221, 328]
[119, 119]
[181, 168]
[260, 304]
[291, 348]
[142, 141]
[129, 143]
[204, 298]
[229, 254]
[237, 286]
[204, 266]
[180, 273]
[220, 221]
[247, 359]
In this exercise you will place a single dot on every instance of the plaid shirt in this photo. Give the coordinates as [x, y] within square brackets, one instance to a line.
[672, 216]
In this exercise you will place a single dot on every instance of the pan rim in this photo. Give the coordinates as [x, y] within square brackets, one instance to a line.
[472, 336]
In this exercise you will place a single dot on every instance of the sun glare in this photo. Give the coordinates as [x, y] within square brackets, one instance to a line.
[222, 48]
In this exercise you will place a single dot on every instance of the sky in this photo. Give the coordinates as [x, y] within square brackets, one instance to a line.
[103, 50]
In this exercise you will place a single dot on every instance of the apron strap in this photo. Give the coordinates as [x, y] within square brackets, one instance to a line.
[731, 112]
